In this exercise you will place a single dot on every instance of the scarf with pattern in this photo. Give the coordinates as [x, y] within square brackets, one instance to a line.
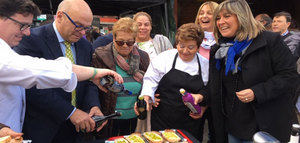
[132, 67]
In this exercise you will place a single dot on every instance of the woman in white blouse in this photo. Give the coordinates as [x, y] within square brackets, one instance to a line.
[172, 70]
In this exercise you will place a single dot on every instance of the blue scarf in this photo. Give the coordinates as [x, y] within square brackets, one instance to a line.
[233, 50]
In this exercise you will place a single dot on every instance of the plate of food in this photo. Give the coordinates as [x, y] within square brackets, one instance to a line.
[9, 139]
[120, 140]
[153, 137]
[135, 138]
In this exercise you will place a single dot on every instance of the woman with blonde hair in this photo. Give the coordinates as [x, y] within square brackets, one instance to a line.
[131, 63]
[204, 19]
[252, 76]
[153, 46]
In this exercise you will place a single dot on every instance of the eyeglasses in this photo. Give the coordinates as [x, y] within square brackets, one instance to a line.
[23, 27]
[78, 27]
[128, 43]
[190, 47]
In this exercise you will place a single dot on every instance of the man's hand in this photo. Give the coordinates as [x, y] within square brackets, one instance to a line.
[103, 72]
[5, 131]
[82, 121]
[96, 111]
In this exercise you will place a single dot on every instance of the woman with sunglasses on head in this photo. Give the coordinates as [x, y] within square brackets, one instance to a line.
[251, 79]
[153, 46]
[168, 73]
[204, 19]
[125, 58]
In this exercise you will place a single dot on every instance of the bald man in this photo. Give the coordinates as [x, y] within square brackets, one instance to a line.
[58, 116]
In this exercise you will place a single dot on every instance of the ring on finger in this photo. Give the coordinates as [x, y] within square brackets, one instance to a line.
[246, 99]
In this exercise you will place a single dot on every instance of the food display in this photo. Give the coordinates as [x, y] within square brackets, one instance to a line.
[121, 140]
[153, 137]
[164, 136]
[170, 136]
[9, 139]
[5, 139]
[135, 138]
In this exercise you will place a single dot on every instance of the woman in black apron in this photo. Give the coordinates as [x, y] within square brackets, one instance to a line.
[171, 112]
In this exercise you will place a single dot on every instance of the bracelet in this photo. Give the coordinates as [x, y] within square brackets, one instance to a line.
[95, 72]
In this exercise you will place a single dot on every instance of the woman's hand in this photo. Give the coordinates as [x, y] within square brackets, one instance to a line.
[246, 95]
[157, 100]
[149, 102]
[198, 116]
[136, 109]
[197, 98]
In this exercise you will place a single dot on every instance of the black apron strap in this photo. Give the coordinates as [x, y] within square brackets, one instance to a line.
[174, 61]
[199, 66]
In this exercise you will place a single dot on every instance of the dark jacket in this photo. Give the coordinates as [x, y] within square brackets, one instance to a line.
[103, 58]
[269, 70]
[47, 110]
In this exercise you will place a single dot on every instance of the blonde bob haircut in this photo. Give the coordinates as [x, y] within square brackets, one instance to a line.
[142, 14]
[127, 25]
[248, 26]
[189, 31]
[212, 5]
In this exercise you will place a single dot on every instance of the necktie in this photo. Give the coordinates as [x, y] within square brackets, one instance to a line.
[69, 55]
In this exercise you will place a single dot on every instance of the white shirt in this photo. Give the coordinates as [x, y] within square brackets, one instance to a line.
[18, 72]
[149, 48]
[163, 63]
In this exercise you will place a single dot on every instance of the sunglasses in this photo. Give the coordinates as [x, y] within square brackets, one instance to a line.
[23, 26]
[128, 43]
[78, 27]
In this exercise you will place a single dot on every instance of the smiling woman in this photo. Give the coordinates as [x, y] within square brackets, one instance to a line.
[170, 71]
[251, 72]
[122, 56]
[153, 46]
[205, 20]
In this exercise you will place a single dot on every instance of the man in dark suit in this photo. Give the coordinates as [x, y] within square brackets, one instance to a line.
[58, 116]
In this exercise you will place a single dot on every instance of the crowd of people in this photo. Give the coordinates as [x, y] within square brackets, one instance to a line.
[241, 71]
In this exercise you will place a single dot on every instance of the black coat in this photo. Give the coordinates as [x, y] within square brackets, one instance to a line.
[269, 70]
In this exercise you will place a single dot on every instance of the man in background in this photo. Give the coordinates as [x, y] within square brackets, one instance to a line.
[265, 20]
[281, 22]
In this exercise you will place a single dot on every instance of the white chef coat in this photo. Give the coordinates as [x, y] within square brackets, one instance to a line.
[162, 64]
[18, 72]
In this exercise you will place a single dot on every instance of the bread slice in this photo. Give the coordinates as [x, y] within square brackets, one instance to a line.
[135, 138]
[153, 137]
[170, 136]
[16, 140]
[5, 139]
[120, 140]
